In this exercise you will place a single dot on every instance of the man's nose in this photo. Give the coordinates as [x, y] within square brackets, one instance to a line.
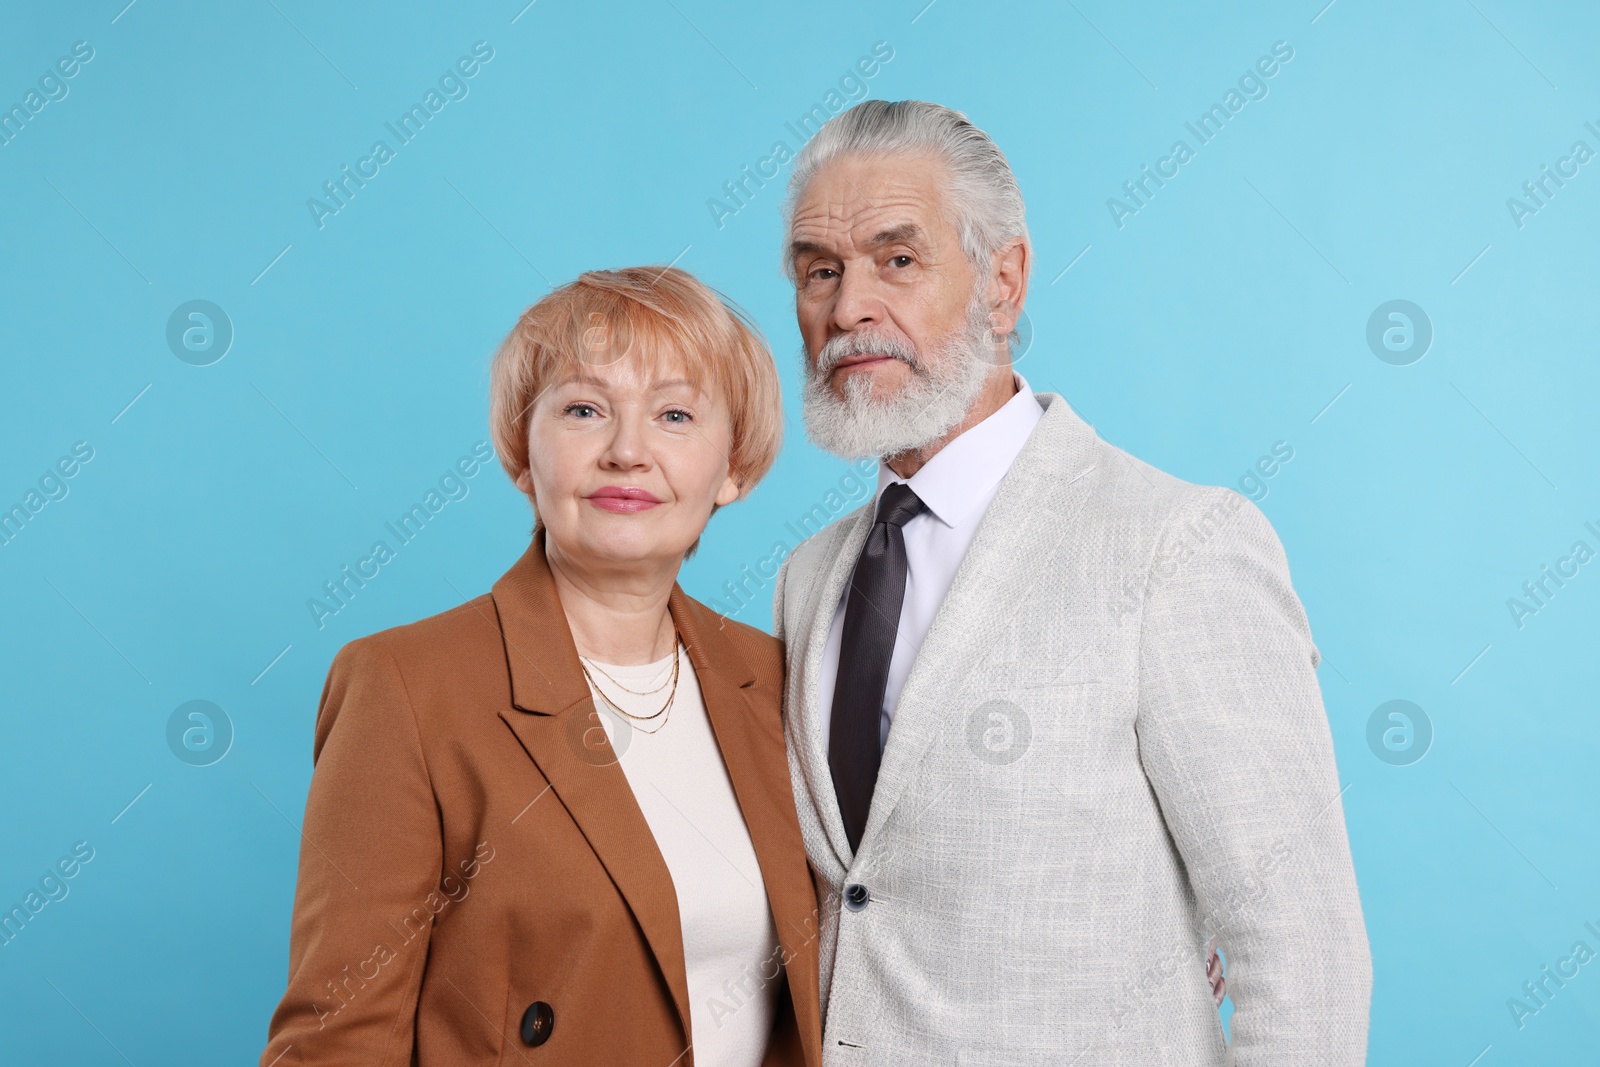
[858, 302]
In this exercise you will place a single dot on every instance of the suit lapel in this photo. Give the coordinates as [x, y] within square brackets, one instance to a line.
[751, 740]
[806, 717]
[1036, 506]
[554, 719]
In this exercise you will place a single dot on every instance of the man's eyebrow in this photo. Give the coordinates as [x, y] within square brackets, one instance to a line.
[803, 248]
[905, 233]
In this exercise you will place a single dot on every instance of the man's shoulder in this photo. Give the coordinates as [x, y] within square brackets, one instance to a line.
[1065, 447]
[1139, 483]
[1123, 490]
[1160, 516]
[1132, 502]
[823, 545]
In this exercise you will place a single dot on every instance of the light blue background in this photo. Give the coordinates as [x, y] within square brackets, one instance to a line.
[1222, 318]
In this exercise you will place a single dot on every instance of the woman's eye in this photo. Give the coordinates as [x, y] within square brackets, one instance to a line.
[678, 415]
[576, 409]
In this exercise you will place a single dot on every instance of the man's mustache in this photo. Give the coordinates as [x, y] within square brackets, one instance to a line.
[847, 345]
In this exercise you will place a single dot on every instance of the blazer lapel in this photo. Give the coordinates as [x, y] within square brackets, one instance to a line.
[752, 744]
[554, 719]
[1037, 503]
[805, 716]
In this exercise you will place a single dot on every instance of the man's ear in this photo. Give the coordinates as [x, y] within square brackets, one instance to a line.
[1008, 284]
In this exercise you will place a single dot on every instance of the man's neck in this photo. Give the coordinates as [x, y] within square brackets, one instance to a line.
[1001, 387]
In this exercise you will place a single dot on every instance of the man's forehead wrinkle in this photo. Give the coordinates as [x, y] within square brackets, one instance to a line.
[914, 160]
[890, 188]
[860, 225]
[840, 214]
[846, 208]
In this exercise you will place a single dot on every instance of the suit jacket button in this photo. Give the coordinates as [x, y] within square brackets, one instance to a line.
[856, 896]
[537, 1022]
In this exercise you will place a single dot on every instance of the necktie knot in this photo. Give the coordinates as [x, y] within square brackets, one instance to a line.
[899, 504]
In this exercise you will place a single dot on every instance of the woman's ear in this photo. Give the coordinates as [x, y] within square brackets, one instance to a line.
[728, 492]
[525, 481]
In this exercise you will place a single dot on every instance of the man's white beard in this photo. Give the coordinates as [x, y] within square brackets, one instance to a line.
[941, 392]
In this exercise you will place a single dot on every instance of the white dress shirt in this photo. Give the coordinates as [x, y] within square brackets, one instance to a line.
[957, 485]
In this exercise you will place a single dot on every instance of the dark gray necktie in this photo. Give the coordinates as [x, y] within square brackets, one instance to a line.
[871, 621]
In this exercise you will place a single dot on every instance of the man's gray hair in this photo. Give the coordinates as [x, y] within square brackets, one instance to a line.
[986, 203]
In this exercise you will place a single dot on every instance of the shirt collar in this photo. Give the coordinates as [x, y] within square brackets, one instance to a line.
[963, 472]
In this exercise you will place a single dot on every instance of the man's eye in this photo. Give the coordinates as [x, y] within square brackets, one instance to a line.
[823, 274]
[897, 261]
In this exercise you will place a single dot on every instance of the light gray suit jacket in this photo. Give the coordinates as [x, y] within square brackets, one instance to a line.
[1110, 750]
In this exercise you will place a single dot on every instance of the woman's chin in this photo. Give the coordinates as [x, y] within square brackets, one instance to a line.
[625, 540]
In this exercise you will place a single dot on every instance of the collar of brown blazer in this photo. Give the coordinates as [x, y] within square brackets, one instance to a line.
[546, 677]
[554, 719]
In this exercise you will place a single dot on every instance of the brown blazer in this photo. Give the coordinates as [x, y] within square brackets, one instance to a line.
[471, 849]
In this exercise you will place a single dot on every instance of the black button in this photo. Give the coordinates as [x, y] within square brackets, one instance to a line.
[856, 896]
[537, 1022]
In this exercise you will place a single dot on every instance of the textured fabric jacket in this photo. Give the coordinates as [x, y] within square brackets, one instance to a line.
[1111, 748]
[472, 848]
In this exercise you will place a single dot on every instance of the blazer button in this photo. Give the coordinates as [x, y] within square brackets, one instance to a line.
[537, 1022]
[856, 896]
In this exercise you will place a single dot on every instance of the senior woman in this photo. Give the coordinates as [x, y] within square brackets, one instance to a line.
[554, 824]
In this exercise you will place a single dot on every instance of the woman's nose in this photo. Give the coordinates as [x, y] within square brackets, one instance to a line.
[626, 449]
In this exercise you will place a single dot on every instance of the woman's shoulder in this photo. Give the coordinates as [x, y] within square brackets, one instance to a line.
[762, 651]
[448, 637]
[444, 668]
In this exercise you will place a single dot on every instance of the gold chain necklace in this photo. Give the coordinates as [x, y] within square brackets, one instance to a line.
[664, 709]
[667, 708]
[608, 676]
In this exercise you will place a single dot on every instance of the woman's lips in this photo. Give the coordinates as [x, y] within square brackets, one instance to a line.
[623, 499]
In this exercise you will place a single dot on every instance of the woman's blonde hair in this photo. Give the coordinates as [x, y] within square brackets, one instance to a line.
[660, 314]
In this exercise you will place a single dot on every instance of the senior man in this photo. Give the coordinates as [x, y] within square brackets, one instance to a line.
[1053, 719]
